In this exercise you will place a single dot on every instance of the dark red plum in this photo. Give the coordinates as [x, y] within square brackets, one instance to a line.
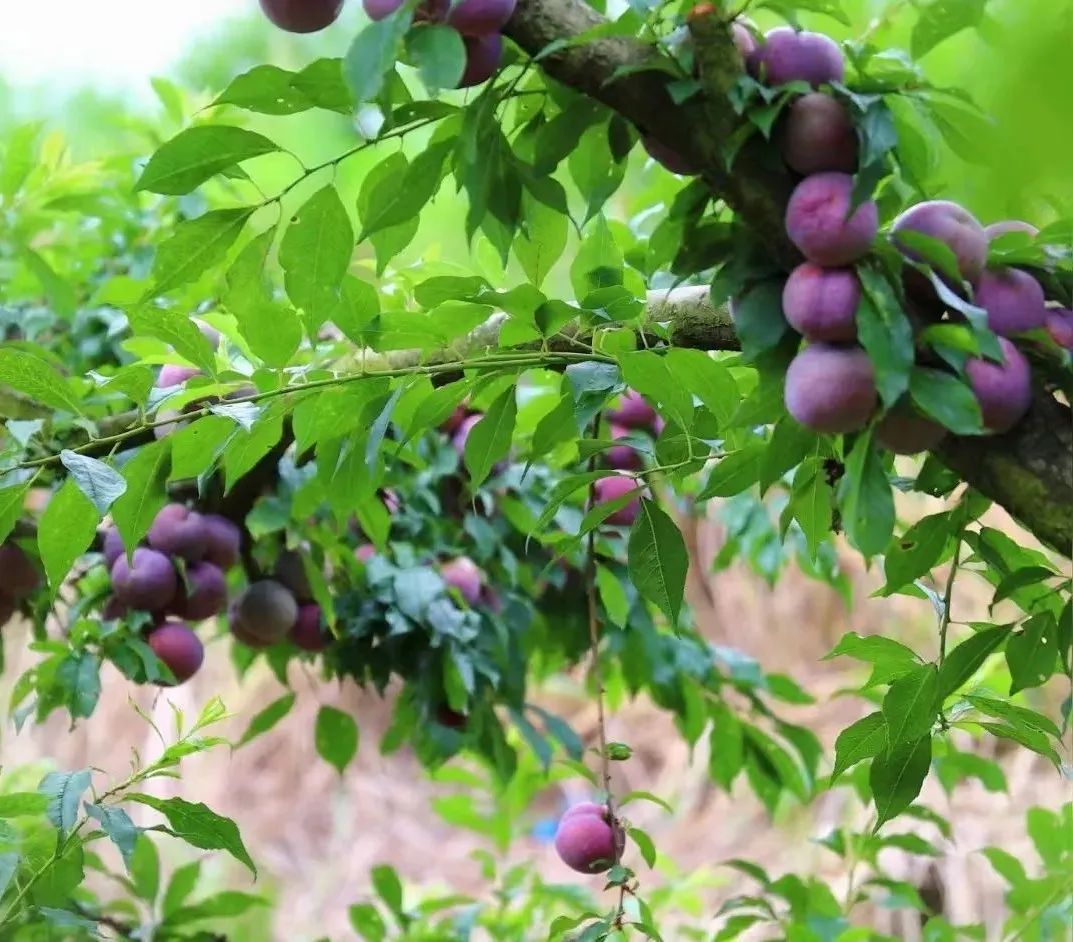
[480, 17]
[818, 135]
[380, 9]
[179, 648]
[586, 839]
[786, 55]
[18, 575]
[263, 614]
[668, 157]
[483, 55]
[224, 541]
[206, 595]
[831, 389]
[302, 16]
[905, 432]
[462, 573]
[1013, 300]
[1004, 390]
[179, 531]
[633, 411]
[147, 581]
[819, 224]
[821, 303]
[452, 719]
[308, 632]
[951, 224]
[616, 486]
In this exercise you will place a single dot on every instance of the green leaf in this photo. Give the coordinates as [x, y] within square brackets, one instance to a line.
[758, 318]
[12, 503]
[196, 448]
[197, 153]
[367, 922]
[248, 448]
[946, 399]
[812, 503]
[885, 332]
[336, 737]
[941, 19]
[438, 54]
[64, 791]
[146, 475]
[388, 886]
[225, 905]
[199, 826]
[265, 89]
[315, 254]
[646, 372]
[1019, 578]
[358, 306]
[195, 246]
[489, 440]
[78, 679]
[790, 443]
[644, 845]
[707, 379]
[267, 718]
[918, 550]
[911, 704]
[116, 823]
[175, 328]
[9, 863]
[735, 473]
[726, 746]
[322, 83]
[598, 262]
[966, 659]
[144, 868]
[23, 804]
[373, 53]
[897, 776]
[861, 740]
[37, 378]
[1006, 865]
[394, 192]
[1015, 715]
[657, 559]
[1029, 738]
[1032, 652]
[867, 501]
[542, 239]
[65, 531]
[182, 884]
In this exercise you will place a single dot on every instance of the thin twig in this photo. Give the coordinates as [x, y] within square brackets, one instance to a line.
[944, 622]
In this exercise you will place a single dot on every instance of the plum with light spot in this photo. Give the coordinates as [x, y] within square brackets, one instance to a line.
[668, 157]
[951, 224]
[308, 632]
[821, 303]
[462, 573]
[480, 17]
[906, 432]
[1060, 326]
[819, 222]
[483, 55]
[223, 541]
[1013, 300]
[290, 571]
[786, 55]
[302, 16]
[1003, 390]
[817, 135]
[205, 595]
[612, 488]
[622, 457]
[587, 840]
[179, 531]
[263, 614]
[633, 411]
[18, 575]
[146, 581]
[997, 229]
[830, 388]
[175, 643]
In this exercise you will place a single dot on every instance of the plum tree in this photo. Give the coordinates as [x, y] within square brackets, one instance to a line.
[997, 229]
[147, 581]
[462, 573]
[1004, 390]
[821, 303]
[951, 224]
[1013, 300]
[819, 223]
[905, 432]
[179, 531]
[263, 614]
[817, 135]
[621, 457]
[616, 486]
[587, 840]
[291, 572]
[302, 16]
[633, 411]
[223, 541]
[178, 647]
[668, 157]
[483, 55]
[787, 55]
[1059, 325]
[480, 17]
[18, 575]
[205, 594]
[831, 388]
[308, 632]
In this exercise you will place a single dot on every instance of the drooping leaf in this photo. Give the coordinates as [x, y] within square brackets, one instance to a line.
[886, 334]
[867, 501]
[146, 476]
[336, 737]
[267, 718]
[896, 777]
[195, 246]
[1031, 652]
[102, 484]
[861, 740]
[64, 791]
[911, 703]
[37, 378]
[658, 559]
[489, 440]
[116, 823]
[197, 153]
[65, 531]
[372, 54]
[946, 399]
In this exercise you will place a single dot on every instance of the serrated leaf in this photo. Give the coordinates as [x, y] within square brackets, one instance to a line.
[657, 559]
[195, 246]
[176, 329]
[102, 484]
[65, 531]
[64, 792]
[197, 153]
[966, 659]
[897, 776]
[862, 740]
[911, 703]
[37, 378]
[489, 440]
[336, 737]
[267, 718]
[199, 826]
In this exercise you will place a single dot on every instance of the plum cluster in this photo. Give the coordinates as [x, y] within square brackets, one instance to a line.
[478, 22]
[270, 611]
[178, 577]
[588, 838]
[18, 578]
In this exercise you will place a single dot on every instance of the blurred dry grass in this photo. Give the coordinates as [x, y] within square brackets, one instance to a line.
[316, 836]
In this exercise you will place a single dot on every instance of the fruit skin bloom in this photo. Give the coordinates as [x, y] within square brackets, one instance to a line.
[586, 841]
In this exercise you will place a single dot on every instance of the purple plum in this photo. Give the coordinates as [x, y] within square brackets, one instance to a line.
[483, 55]
[819, 223]
[1013, 300]
[818, 135]
[831, 389]
[786, 55]
[1004, 390]
[616, 486]
[951, 224]
[179, 531]
[147, 581]
[821, 303]
[179, 648]
[480, 17]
